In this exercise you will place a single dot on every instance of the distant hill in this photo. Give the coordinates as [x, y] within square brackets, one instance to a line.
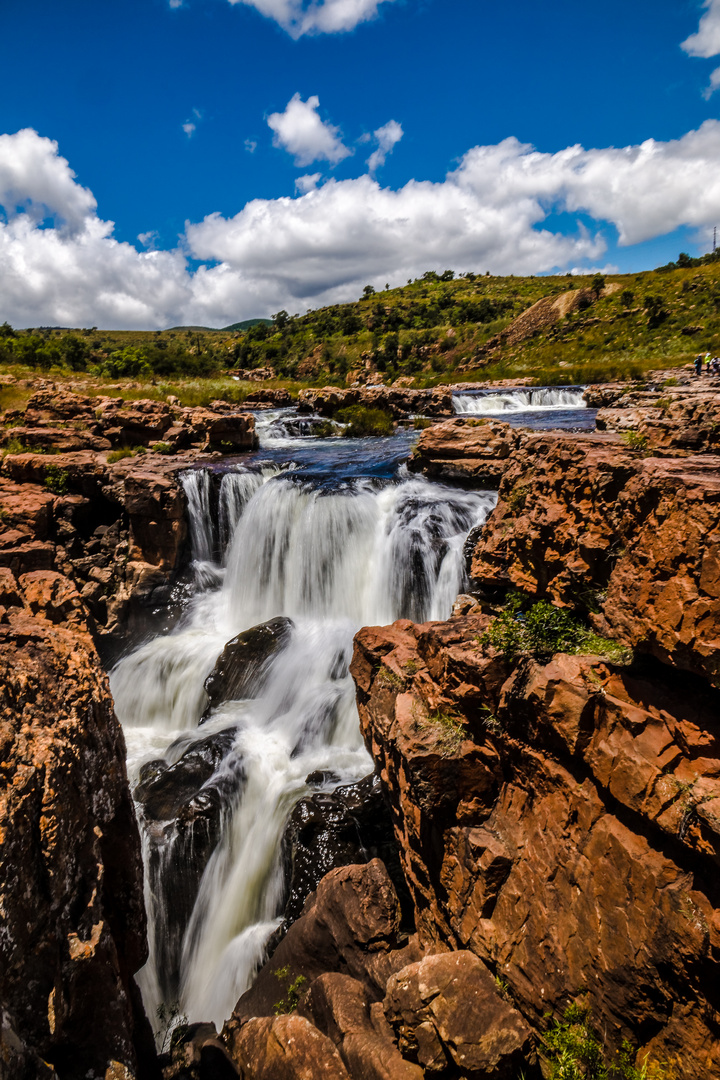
[247, 323]
[178, 329]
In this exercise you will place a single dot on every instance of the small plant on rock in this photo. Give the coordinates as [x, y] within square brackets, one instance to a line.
[56, 480]
[634, 440]
[293, 991]
[389, 679]
[543, 630]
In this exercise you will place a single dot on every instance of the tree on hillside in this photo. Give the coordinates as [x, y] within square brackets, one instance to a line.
[597, 285]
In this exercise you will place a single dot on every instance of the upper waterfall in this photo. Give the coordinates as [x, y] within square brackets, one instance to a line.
[492, 403]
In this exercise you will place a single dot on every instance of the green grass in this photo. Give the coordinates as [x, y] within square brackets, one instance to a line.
[363, 421]
[543, 630]
[443, 729]
[574, 1052]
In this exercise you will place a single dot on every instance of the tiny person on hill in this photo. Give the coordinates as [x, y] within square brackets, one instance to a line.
[697, 363]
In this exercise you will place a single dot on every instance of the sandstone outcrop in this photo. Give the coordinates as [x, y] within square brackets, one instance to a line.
[117, 525]
[668, 421]
[558, 821]
[70, 866]
[401, 403]
[465, 450]
[632, 541]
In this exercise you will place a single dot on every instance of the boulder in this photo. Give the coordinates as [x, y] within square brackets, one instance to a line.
[285, 1048]
[350, 825]
[239, 670]
[351, 925]
[465, 450]
[447, 1010]
[340, 1008]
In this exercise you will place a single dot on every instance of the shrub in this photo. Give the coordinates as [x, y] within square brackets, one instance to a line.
[421, 422]
[161, 448]
[293, 991]
[544, 630]
[634, 440]
[56, 479]
[362, 422]
[575, 1053]
[118, 455]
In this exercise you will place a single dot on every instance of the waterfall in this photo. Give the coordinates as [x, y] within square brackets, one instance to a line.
[510, 401]
[196, 483]
[331, 556]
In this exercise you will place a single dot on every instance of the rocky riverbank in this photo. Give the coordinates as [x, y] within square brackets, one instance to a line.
[551, 781]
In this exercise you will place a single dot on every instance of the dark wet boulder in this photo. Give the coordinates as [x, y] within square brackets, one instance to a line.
[348, 826]
[239, 670]
[165, 789]
[184, 804]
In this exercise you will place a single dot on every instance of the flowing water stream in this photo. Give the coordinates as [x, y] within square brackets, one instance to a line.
[331, 534]
[334, 535]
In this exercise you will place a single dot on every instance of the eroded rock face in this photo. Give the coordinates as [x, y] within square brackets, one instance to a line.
[558, 821]
[634, 541]
[465, 450]
[70, 866]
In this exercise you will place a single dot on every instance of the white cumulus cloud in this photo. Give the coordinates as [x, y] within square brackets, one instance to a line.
[706, 42]
[387, 136]
[301, 132]
[303, 184]
[301, 17]
[61, 265]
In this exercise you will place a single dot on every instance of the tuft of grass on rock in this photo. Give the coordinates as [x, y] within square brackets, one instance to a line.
[543, 630]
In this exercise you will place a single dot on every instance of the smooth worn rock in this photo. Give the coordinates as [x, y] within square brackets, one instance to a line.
[344, 827]
[285, 1048]
[241, 666]
[340, 1008]
[447, 1010]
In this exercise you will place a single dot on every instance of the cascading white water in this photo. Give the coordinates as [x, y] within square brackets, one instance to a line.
[332, 559]
[511, 401]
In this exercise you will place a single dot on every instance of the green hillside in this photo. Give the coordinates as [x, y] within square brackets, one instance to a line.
[434, 329]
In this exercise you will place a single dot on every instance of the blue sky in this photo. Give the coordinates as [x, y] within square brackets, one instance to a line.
[192, 124]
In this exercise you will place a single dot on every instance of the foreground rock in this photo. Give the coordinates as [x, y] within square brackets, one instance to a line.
[560, 822]
[348, 994]
[70, 866]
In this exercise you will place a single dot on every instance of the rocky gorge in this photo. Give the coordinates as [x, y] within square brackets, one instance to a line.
[541, 827]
